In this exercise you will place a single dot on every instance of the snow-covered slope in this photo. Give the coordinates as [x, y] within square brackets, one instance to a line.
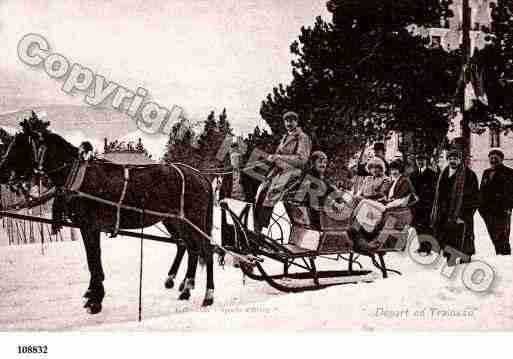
[44, 292]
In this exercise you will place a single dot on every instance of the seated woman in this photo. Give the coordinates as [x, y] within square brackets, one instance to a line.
[371, 214]
[311, 192]
[376, 185]
[401, 190]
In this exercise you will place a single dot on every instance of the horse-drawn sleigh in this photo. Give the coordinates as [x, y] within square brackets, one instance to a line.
[285, 256]
[112, 197]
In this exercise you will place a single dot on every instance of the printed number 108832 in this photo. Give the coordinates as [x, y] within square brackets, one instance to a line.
[32, 349]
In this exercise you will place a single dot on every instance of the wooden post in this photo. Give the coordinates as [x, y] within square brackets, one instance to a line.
[41, 228]
[141, 264]
[465, 129]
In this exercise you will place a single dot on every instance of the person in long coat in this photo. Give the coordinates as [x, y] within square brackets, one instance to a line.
[424, 181]
[456, 201]
[288, 162]
[496, 201]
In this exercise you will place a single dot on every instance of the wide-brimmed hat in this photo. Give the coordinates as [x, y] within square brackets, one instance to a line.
[375, 162]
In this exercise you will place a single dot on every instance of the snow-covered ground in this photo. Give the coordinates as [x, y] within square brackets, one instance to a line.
[44, 292]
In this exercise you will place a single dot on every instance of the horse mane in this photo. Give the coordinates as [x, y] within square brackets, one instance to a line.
[61, 143]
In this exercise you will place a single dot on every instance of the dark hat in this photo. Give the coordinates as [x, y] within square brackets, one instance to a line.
[318, 154]
[291, 114]
[420, 156]
[496, 152]
[379, 146]
[397, 164]
[454, 153]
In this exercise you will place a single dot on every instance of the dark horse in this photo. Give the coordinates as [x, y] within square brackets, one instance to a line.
[179, 191]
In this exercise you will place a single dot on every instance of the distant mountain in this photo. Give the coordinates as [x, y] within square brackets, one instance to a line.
[93, 122]
[80, 123]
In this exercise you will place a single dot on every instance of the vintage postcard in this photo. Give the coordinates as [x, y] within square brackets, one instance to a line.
[235, 166]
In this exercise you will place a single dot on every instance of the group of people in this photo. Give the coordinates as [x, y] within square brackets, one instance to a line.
[443, 203]
[449, 201]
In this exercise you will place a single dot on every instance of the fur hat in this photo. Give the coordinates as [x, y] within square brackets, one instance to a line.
[375, 162]
[318, 154]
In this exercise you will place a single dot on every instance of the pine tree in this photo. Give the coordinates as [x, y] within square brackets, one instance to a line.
[223, 124]
[5, 141]
[366, 74]
[180, 147]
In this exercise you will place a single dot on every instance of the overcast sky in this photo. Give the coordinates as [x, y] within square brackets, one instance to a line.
[196, 54]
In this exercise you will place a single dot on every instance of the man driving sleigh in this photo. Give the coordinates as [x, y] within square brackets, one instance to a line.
[287, 165]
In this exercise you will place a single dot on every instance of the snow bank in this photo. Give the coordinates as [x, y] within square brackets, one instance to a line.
[44, 292]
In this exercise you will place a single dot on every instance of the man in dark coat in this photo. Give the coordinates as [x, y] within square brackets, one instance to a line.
[456, 200]
[424, 182]
[496, 201]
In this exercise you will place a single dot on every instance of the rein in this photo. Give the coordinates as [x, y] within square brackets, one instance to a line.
[220, 171]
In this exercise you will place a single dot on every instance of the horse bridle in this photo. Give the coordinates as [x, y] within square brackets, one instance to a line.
[38, 155]
[39, 149]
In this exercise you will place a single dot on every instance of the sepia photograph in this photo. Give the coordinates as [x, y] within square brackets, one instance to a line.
[239, 166]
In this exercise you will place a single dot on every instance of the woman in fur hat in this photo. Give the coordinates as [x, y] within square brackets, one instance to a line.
[376, 185]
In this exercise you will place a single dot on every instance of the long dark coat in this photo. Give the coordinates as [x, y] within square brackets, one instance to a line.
[496, 193]
[456, 197]
[425, 185]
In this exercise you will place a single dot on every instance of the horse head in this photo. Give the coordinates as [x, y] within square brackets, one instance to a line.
[17, 163]
[36, 151]
[52, 156]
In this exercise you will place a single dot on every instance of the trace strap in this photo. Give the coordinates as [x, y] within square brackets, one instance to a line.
[126, 172]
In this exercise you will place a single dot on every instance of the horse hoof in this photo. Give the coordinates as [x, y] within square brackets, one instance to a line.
[185, 295]
[169, 283]
[94, 308]
[181, 287]
[87, 302]
[207, 302]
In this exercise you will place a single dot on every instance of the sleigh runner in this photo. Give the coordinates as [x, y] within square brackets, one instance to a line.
[313, 235]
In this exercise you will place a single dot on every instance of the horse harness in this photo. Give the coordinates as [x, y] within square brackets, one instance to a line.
[77, 175]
